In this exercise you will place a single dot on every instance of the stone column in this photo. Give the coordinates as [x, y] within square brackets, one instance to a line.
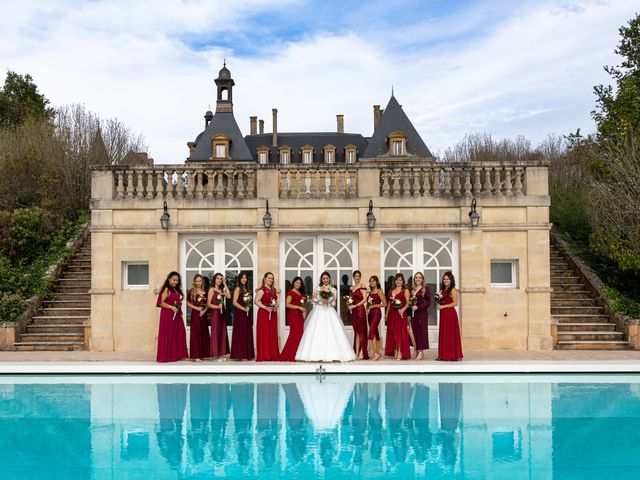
[538, 291]
[102, 292]
[472, 289]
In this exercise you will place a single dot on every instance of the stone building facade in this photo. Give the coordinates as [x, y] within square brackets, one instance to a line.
[301, 203]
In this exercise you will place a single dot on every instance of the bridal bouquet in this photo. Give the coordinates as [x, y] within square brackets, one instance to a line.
[348, 299]
[325, 292]
[247, 300]
[178, 305]
[303, 301]
[438, 297]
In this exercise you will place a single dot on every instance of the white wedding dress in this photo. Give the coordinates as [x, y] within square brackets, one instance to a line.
[324, 338]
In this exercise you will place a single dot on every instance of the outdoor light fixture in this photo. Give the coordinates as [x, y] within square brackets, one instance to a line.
[371, 218]
[266, 219]
[165, 217]
[473, 214]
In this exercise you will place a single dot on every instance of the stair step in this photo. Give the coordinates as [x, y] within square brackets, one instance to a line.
[571, 295]
[590, 326]
[568, 280]
[56, 328]
[57, 320]
[593, 345]
[44, 346]
[580, 318]
[575, 309]
[574, 287]
[68, 303]
[52, 337]
[83, 289]
[590, 336]
[566, 302]
[64, 311]
[76, 275]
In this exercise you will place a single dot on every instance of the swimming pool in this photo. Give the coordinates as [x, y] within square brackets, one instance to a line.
[304, 427]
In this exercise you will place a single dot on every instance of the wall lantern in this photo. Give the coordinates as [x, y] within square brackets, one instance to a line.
[371, 218]
[473, 214]
[266, 219]
[165, 217]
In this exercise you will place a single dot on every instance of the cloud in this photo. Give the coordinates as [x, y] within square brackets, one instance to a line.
[456, 69]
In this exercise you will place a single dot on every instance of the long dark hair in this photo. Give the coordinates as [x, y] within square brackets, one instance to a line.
[167, 283]
[452, 285]
[213, 280]
[375, 277]
[293, 282]
[323, 274]
[243, 288]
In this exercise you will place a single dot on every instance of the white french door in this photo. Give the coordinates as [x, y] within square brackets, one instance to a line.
[307, 256]
[432, 254]
[208, 254]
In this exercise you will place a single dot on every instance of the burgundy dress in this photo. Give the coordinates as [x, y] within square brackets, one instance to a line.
[449, 343]
[419, 320]
[219, 342]
[296, 328]
[242, 334]
[199, 340]
[375, 315]
[172, 334]
[359, 322]
[397, 331]
[267, 328]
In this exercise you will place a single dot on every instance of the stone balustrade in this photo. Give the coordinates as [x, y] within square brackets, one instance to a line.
[454, 180]
[395, 180]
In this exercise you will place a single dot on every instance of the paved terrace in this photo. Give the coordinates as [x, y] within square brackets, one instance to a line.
[621, 361]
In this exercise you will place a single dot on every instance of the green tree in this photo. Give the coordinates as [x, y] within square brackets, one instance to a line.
[20, 100]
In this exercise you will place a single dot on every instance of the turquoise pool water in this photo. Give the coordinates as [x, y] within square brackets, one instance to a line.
[303, 427]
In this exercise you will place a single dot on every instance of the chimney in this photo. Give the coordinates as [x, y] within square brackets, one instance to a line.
[377, 113]
[274, 113]
[340, 122]
[253, 125]
[261, 127]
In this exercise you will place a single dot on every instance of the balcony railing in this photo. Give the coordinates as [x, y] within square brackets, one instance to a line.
[318, 182]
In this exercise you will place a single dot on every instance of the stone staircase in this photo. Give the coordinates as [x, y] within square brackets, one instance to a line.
[582, 323]
[59, 323]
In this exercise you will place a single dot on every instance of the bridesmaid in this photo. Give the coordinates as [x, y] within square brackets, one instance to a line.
[242, 333]
[376, 302]
[358, 295]
[267, 327]
[419, 319]
[215, 302]
[172, 334]
[449, 343]
[199, 340]
[295, 315]
[397, 343]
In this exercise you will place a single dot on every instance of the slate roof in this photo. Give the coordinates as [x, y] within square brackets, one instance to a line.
[394, 119]
[222, 122]
[318, 140]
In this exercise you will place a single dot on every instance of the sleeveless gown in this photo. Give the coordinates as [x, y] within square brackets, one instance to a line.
[219, 342]
[296, 329]
[324, 338]
[375, 315]
[172, 334]
[397, 332]
[242, 334]
[267, 329]
[199, 339]
[359, 322]
[449, 343]
[420, 321]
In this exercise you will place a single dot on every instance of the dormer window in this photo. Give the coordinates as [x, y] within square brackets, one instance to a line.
[263, 154]
[307, 154]
[397, 144]
[350, 152]
[329, 154]
[285, 155]
[220, 147]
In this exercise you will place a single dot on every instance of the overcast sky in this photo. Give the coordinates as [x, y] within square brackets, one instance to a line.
[504, 67]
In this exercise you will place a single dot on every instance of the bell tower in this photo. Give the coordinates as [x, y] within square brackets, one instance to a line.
[225, 83]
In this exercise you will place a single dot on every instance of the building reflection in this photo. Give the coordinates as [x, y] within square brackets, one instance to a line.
[331, 429]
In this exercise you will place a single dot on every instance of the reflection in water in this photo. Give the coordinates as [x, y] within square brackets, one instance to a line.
[172, 400]
[343, 428]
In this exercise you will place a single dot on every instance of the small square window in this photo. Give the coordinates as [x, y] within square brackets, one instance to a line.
[504, 273]
[136, 275]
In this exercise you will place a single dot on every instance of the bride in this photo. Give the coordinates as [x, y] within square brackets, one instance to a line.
[324, 338]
